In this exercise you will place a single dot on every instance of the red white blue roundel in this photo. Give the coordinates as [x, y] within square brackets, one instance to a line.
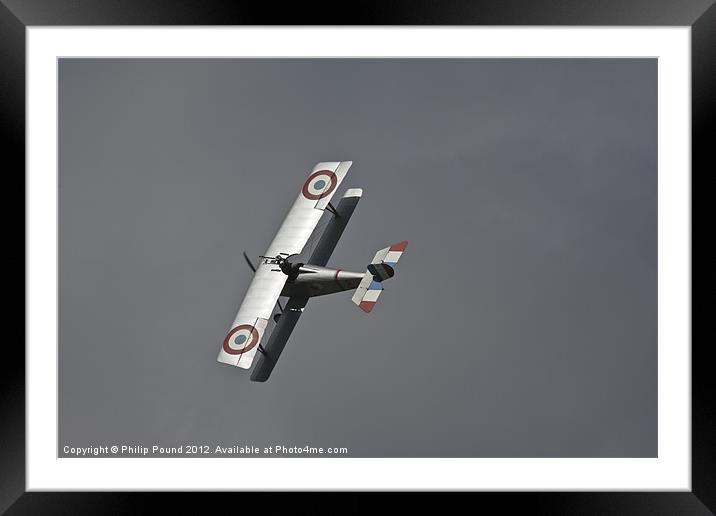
[241, 339]
[319, 185]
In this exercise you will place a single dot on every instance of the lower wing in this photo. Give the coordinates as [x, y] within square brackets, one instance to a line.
[279, 336]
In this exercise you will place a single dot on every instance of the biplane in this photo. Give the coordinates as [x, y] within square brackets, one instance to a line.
[279, 273]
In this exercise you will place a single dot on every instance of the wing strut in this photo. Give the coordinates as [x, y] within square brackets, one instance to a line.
[330, 208]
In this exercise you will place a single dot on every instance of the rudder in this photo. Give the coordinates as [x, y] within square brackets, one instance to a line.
[380, 269]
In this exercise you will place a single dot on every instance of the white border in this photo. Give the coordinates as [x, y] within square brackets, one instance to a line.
[671, 470]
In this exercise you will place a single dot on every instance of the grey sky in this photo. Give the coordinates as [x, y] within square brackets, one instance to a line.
[521, 322]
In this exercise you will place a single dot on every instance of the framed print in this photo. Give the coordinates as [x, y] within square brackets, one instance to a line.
[214, 220]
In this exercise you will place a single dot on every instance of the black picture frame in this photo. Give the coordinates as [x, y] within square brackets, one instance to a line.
[16, 15]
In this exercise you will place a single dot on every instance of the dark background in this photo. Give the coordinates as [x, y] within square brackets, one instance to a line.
[522, 318]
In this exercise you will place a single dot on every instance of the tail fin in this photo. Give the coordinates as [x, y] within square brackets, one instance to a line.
[380, 269]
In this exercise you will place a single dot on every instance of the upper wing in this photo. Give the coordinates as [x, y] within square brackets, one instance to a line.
[242, 341]
[306, 211]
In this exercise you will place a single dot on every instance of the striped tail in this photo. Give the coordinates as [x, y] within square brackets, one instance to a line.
[379, 270]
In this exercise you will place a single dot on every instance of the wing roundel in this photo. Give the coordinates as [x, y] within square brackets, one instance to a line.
[302, 218]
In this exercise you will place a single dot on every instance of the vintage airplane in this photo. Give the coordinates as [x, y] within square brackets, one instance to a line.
[279, 273]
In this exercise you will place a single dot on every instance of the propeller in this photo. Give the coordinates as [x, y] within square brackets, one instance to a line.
[248, 260]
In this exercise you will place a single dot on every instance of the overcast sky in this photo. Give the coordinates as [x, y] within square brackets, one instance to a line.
[522, 319]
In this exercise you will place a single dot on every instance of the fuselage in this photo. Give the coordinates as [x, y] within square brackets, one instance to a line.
[314, 280]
